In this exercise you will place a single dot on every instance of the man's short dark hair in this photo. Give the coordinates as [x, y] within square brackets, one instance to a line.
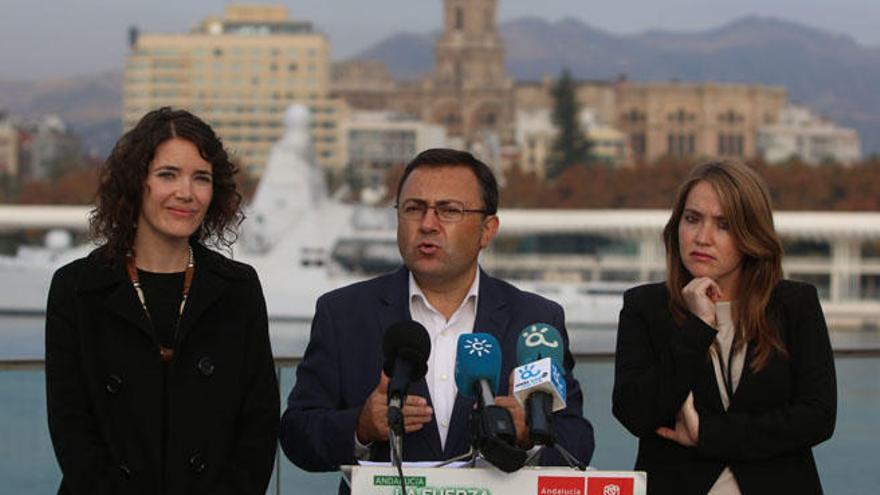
[440, 157]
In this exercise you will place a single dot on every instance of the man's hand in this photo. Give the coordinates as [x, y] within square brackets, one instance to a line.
[372, 422]
[687, 425]
[518, 414]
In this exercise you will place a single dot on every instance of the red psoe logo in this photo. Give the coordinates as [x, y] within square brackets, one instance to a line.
[560, 485]
[598, 485]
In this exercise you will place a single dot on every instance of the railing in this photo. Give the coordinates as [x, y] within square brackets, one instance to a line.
[845, 462]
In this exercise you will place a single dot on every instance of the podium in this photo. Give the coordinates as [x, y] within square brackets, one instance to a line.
[369, 480]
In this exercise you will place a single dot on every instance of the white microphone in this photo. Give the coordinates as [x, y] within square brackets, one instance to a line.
[539, 376]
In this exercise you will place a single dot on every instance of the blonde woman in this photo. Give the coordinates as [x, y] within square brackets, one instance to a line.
[725, 372]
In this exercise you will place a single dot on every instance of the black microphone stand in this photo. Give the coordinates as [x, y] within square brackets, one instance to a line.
[538, 409]
[395, 439]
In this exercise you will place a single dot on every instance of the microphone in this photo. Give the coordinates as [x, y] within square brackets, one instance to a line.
[539, 384]
[478, 367]
[477, 372]
[406, 347]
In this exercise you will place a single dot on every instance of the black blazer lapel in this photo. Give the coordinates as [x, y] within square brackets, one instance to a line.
[121, 299]
[492, 318]
[123, 302]
[210, 281]
[745, 379]
[394, 307]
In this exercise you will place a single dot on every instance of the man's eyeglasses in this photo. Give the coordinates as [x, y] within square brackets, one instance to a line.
[447, 211]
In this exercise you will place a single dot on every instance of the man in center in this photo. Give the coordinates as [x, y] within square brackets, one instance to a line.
[447, 204]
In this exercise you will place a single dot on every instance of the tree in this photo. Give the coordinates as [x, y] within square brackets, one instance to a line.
[571, 147]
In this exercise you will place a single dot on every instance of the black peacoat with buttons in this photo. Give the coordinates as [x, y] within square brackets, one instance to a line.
[105, 392]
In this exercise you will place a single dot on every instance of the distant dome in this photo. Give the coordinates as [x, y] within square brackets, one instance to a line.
[296, 116]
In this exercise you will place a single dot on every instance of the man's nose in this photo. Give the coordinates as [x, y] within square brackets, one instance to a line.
[430, 220]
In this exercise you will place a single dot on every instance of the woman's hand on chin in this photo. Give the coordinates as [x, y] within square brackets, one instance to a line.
[700, 295]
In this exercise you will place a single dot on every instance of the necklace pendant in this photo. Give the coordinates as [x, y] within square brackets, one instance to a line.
[166, 354]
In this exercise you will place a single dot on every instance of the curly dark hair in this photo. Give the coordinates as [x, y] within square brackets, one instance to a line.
[122, 177]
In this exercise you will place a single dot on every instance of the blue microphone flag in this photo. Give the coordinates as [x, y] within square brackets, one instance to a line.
[478, 357]
[539, 341]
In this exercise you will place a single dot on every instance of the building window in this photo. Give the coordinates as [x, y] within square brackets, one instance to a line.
[731, 144]
[680, 144]
[638, 143]
[459, 18]
[451, 119]
[681, 117]
[730, 117]
[869, 287]
[634, 117]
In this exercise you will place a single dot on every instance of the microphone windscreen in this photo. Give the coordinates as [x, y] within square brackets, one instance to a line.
[408, 340]
[539, 341]
[478, 358]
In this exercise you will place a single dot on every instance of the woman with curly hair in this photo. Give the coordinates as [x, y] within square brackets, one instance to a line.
[159, 371]
[725, 371]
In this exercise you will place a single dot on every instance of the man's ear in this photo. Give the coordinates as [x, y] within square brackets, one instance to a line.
[488, 230]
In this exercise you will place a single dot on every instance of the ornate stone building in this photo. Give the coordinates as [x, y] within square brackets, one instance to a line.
[695, 120]
[472, 96]
[468, 92]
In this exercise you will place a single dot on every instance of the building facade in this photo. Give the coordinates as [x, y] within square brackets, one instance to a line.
[472, 96]
[797, 133]
[468, 92]
[240, 73]
[694, 120]
[8, 147]
[377, 141]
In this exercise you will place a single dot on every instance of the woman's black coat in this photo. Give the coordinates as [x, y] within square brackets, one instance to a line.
[104, 384]
[774, 419]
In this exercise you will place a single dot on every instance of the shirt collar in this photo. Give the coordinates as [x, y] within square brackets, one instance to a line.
[416, 294]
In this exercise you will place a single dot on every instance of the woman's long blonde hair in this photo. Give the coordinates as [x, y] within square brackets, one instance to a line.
[746, 205]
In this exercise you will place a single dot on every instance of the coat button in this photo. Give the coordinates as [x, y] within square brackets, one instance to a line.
[205, 366]
[124, 471]
[197, 463]
[114, 383]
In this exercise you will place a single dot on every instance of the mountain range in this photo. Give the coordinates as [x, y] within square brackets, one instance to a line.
[832, 74]
[91, 105]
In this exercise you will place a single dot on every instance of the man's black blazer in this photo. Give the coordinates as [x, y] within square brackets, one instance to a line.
[776, 414]
[343, 360]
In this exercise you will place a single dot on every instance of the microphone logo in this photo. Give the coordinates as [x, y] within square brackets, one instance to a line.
[534, 337]
[528, 371]
[478, 346]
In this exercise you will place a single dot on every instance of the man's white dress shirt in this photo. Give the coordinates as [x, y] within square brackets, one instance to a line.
[441, 363]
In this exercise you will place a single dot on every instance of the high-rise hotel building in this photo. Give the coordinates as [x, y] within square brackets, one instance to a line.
[240, 73]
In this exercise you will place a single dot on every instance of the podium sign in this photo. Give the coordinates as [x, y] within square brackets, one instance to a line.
[490, 481]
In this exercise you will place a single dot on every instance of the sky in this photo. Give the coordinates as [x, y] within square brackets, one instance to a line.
[44, 38]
